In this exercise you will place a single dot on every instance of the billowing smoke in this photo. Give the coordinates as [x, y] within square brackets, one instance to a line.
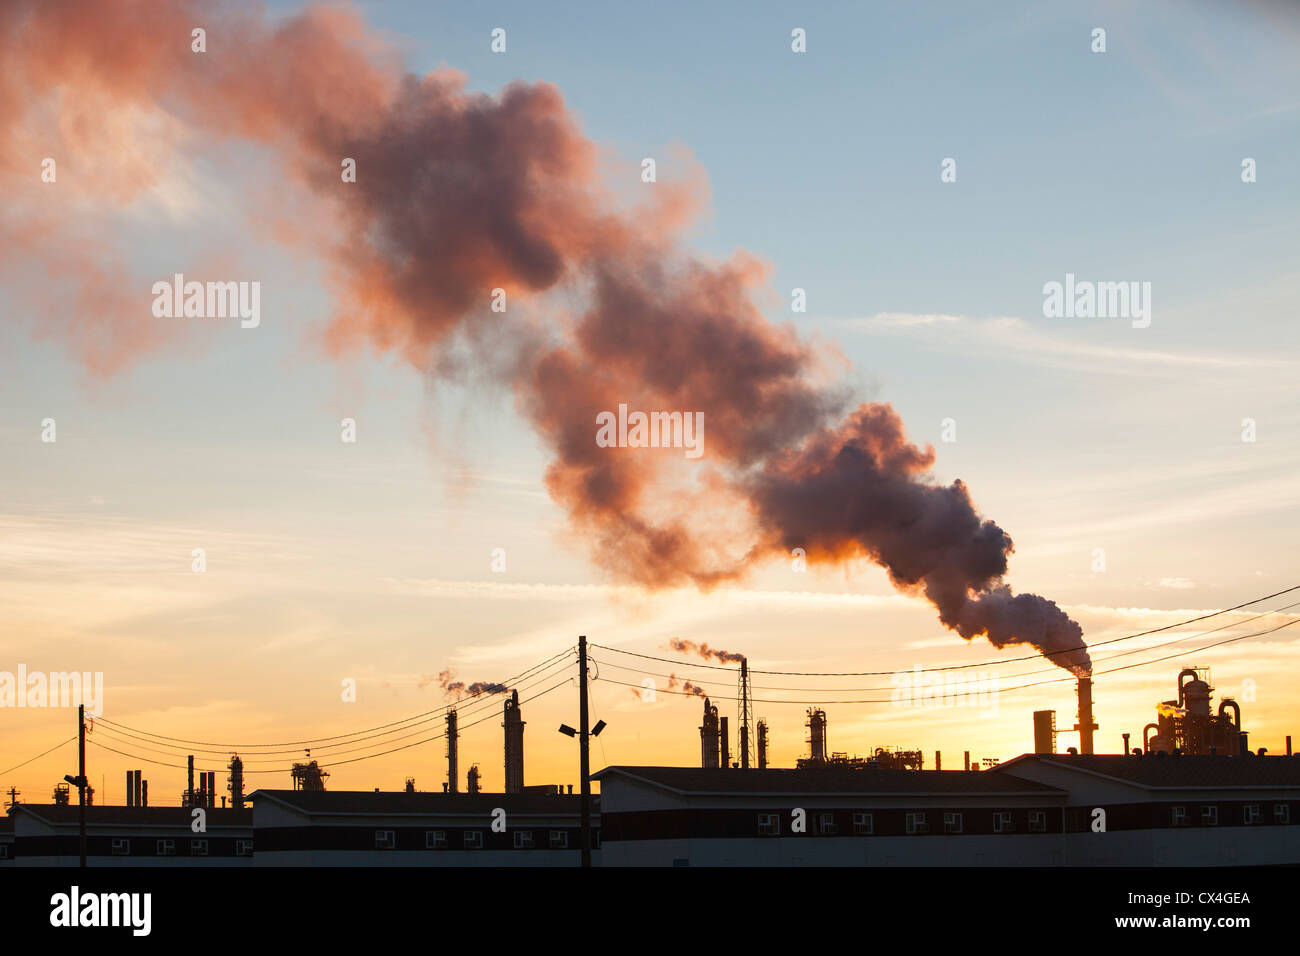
[458, 194]
[674, 682]
[458, 689]
[703, 650]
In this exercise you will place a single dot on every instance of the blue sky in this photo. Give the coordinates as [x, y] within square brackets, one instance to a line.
[1074, 434]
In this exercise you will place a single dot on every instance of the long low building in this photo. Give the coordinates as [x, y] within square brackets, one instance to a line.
[49, 835]
[340, 828]
[1035, 810]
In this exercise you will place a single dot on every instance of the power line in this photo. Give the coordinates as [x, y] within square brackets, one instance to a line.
[38, 756]
[686, 666]
[955, 667]
[299, 744]
[1000, 690]
[263, 756]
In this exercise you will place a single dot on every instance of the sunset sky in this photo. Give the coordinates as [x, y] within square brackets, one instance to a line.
[372, 560]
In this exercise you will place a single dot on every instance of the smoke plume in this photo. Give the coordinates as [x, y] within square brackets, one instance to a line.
[703, 650]
[458, 689]
[460, 193]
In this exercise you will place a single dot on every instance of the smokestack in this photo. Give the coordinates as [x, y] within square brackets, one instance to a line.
[724, 742]
[762, 745]
[130, 788]
[144, 793]
[1288, 745]
[1126, 753]
[452, 755]
[514, 727]
[938, 760]
[967, 759]
[189, 794]
[1085, 726]
[1044, 731]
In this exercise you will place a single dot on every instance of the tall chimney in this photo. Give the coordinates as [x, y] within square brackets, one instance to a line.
[144, 793]
[762, 745]
[189, 796]
[1085, 726]
[452, 735]
[967, 759]
[938, 760]
[724, 743]
[514, 726]
[130, 788]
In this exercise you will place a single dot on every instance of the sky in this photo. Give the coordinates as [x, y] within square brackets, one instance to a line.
[1116, 457]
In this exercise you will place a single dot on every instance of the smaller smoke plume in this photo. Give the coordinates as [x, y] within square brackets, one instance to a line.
[457, 689]
[703, 650]
[687, 687]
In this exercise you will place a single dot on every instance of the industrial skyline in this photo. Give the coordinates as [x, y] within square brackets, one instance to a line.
[872, 388]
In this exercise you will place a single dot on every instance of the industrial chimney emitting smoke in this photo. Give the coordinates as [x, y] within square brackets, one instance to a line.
[514, 727]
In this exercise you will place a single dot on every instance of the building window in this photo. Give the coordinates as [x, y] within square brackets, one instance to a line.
[826, 824]
[1002, 822]
[916, 823]
[198, 848]
[559, 840]
[385, 840]
[435, 839]
[473, 839]
[1209, 816]
[1178, 816]
[769, 824]
[166, 847]
[4, 851]
[952, 823]
[121, 848]
[1281, 813]
[863, 824]
[523, 839]
[243, 848]
[1037, 821]
[1250, 813]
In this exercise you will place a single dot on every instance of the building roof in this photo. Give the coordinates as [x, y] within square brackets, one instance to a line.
[398, 803]
[825, 781]
[1173, 773]
[97, 816]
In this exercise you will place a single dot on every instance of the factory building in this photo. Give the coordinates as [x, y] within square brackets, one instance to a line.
[339, 828]
[1034, 810]
[48, 835]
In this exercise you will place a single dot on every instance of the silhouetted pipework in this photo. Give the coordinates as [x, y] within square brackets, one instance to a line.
[452, 757]
[471, 779]
[709, 737]
[1187, 723]
[514, 726]
[762, 745]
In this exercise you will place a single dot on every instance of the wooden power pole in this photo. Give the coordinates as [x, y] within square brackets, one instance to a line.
[584, 752]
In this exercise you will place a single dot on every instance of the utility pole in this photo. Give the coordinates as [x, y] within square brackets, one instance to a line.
[584, 757]
[81, 780]
[13, 796]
